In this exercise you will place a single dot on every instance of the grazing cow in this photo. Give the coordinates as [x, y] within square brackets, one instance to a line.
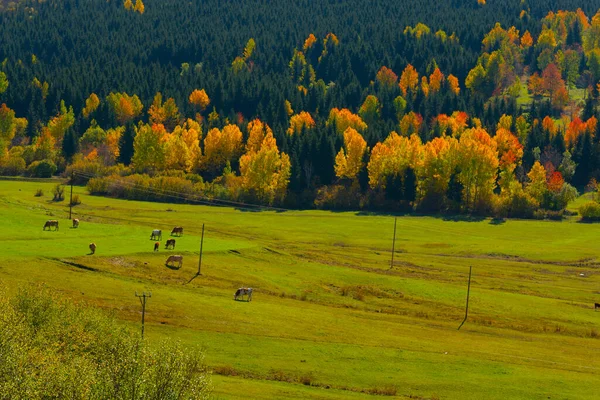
[156, 246]
[241, 292]
[51, 223]
[170, 244]
[75, 223]
[175, 259]
[93, 248]
[156, 235]
[596, 306]
[178, 230]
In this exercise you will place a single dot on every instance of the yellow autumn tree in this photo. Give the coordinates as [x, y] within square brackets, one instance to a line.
[221, 147]
[392, 158]
[537, 185]
[349, 160]
[344, 119]
[434, 169]
[149, 148]
[60, 123]
[478, 163]
[257, 131]
[91, 104]
[139, 6]
[265, 171]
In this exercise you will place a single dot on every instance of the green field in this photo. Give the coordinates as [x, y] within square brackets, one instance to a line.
[329, 319]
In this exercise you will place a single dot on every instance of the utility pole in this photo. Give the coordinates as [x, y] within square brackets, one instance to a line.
[143, 297]
[468, 291]
[201, 243]
[394, 244]
[71, 201]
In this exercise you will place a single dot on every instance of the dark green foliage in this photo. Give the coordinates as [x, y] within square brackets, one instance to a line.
[41, 169]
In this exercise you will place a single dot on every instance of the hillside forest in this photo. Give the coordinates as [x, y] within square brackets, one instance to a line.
[359, 104]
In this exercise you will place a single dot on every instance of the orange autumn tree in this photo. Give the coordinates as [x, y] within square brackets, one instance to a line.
[454, 85]
[409, 80]
[555, 182]
[166, 113]
[410, 123]
[526, 40]
[577, 127]
[349, 160]
[199, 98]
[386, 77]
[124, 108]
[456, 123]
[300, 122]
[435, 81]
[309, 42]
[510, 153]
[264, 170]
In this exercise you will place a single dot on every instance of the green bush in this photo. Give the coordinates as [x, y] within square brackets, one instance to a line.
[52, 349]
[590, 211]
[41, 169]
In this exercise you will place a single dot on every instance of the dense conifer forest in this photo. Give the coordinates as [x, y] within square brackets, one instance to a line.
[334, 104]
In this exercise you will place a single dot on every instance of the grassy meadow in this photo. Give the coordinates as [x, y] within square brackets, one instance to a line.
[329, 318]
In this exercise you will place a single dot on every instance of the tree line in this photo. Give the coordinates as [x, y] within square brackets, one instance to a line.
[342, 119]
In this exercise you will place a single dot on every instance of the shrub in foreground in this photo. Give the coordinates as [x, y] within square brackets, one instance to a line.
[51, 349]
[590, 211]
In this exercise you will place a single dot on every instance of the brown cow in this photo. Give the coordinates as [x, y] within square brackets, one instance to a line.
[170, 244]
[51, 223]
[75, 223]
[178, 230]
[175, 259]
[596, 306]
[93, 248]
[156, 246]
